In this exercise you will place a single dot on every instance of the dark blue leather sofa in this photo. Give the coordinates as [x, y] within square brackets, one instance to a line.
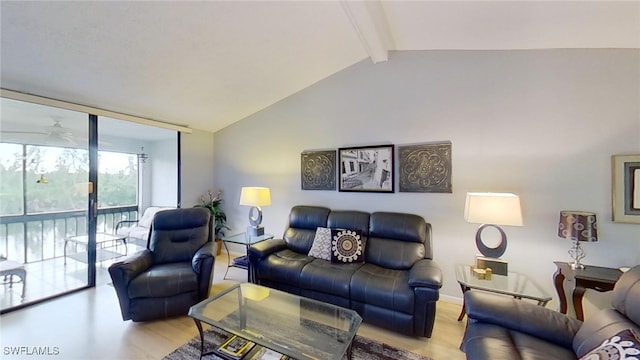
[396, 287]
[502, 328]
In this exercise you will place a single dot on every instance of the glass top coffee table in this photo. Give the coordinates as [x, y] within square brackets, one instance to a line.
[514, 284]
[295, 326]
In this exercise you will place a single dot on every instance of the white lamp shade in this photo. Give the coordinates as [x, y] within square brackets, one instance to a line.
[255, 196]
[493, 208]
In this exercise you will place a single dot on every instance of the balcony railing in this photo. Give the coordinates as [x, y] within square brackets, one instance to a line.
[38, 237]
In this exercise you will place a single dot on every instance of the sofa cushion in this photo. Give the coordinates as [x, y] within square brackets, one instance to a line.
[177, 234]
[303, 222]
[284, 266]
[134, 233]
[621, 346]
[596, 329]
[347, 246]
[326, 277]
[488, 341]
[349, 219]
[164, 280]
[321, 247]
[397, 240]
[386, 288]
[625, 298]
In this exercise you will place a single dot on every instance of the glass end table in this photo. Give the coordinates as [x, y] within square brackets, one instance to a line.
[246, 239]
[514, 284]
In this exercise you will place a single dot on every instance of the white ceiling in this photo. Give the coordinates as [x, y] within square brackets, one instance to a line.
[207, 64]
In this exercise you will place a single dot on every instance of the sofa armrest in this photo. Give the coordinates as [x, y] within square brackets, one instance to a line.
[262, 249]
[425, 273]
[522, 316]
[122, 222]
[122, 272]
[206, 251]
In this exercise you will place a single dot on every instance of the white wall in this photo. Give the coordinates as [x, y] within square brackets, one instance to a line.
[542, 124]
[197, 166]
[163, 156]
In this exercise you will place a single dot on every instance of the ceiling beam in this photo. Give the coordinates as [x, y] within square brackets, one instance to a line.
[370, 23]
[41, 100]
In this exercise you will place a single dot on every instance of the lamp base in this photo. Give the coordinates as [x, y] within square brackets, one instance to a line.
[498, 266]
[255, 230]
[491, 252]
[577, 253]
[576, 266]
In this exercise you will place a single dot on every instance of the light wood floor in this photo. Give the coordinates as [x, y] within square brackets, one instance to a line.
[88, 325]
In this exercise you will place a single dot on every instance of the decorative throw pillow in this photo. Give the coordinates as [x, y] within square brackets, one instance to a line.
[346, 246]
[621, 346]
[321, 247]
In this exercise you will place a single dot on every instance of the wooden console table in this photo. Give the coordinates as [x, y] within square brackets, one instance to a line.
[591, 277]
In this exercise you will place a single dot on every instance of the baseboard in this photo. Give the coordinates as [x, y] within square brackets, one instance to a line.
[451, 299]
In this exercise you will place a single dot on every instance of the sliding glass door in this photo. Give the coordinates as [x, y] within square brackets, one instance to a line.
[67, 179]
[45, 193]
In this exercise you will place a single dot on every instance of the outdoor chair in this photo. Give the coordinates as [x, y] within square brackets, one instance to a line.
[137, 231]
[173, 273]
[9, 269]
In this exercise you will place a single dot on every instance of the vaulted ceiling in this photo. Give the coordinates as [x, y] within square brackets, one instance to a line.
[207, 64]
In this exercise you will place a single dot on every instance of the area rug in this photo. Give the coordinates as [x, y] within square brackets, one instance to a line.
[363, 349]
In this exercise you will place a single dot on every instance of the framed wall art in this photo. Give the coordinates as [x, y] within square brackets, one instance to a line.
[626, 188]
[366, 169]
[318, 170]
[425, 167]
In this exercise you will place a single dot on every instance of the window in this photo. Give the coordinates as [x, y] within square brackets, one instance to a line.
[117, 179]
[49, 171]
[11, 175]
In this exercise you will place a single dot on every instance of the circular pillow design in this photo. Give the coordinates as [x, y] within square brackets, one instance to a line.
[346, 246]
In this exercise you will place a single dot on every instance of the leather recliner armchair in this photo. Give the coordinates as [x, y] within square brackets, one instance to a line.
[173, 273]
[504, 328]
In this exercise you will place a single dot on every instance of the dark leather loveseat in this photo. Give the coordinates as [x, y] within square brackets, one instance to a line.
[505, 328]
[396, 287]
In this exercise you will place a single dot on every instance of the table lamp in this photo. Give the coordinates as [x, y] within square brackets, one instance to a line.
[255, 197]
[577, 226]
[493, 210]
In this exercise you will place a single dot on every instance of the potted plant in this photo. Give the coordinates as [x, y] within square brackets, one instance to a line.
[219, 218]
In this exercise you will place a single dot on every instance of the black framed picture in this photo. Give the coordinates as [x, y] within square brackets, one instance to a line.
[366, 169]
[626, 188]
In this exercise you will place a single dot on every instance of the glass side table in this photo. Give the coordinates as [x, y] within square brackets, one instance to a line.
[246, 239]
[515, 284]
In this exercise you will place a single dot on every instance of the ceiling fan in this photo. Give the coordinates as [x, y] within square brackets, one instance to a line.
[55, 133]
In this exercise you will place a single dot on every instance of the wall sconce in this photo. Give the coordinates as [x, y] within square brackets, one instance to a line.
[255, 197]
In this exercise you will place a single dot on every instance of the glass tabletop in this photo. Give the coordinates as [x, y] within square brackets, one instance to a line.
[514, 284]
[100, 238]
[246, 238]
[299, 327]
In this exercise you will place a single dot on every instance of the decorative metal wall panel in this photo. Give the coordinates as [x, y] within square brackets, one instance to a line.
[318, 170]
[425, 167]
